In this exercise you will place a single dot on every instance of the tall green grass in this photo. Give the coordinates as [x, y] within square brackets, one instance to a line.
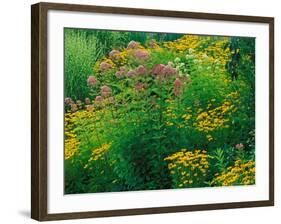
[81, 53]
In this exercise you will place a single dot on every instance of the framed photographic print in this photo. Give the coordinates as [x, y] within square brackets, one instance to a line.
[139, 111]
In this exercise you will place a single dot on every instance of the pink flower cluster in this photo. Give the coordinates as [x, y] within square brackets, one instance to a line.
[68, 100]
[106, 91]
[121, 72]
[118, 74]
[178, 87]
[131, 73]
[133, 45]
[92, 81]
[163, 71]
[98, 99]
[111, 99]
[141, 70]
[104, 66]
[114, 54]
[78, 105]
[152, 43]
[74, 107]
[239, 146]
[139, 86]
[169, 70]
[156, 69]
[87, 101]
[88, 107]
[141, 54]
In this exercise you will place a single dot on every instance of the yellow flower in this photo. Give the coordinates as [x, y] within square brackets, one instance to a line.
[168, 123]
[99, 152]
[208, 121]
[186, 117]
[240, 174]
[210, 138]
[188, 167]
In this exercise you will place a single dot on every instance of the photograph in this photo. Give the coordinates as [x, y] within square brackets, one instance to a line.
[155, 111]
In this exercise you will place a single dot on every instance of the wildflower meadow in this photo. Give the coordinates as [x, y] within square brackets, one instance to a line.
[147, 111]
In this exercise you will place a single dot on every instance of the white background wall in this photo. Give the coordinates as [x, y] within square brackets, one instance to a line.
[15, 111]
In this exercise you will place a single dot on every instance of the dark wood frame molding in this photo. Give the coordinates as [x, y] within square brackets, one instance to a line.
[39, 120]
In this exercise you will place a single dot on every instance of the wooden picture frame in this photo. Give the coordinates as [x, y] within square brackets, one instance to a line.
[39, 109]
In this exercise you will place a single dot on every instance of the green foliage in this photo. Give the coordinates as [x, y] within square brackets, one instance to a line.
[220, 160]
[81, 53]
